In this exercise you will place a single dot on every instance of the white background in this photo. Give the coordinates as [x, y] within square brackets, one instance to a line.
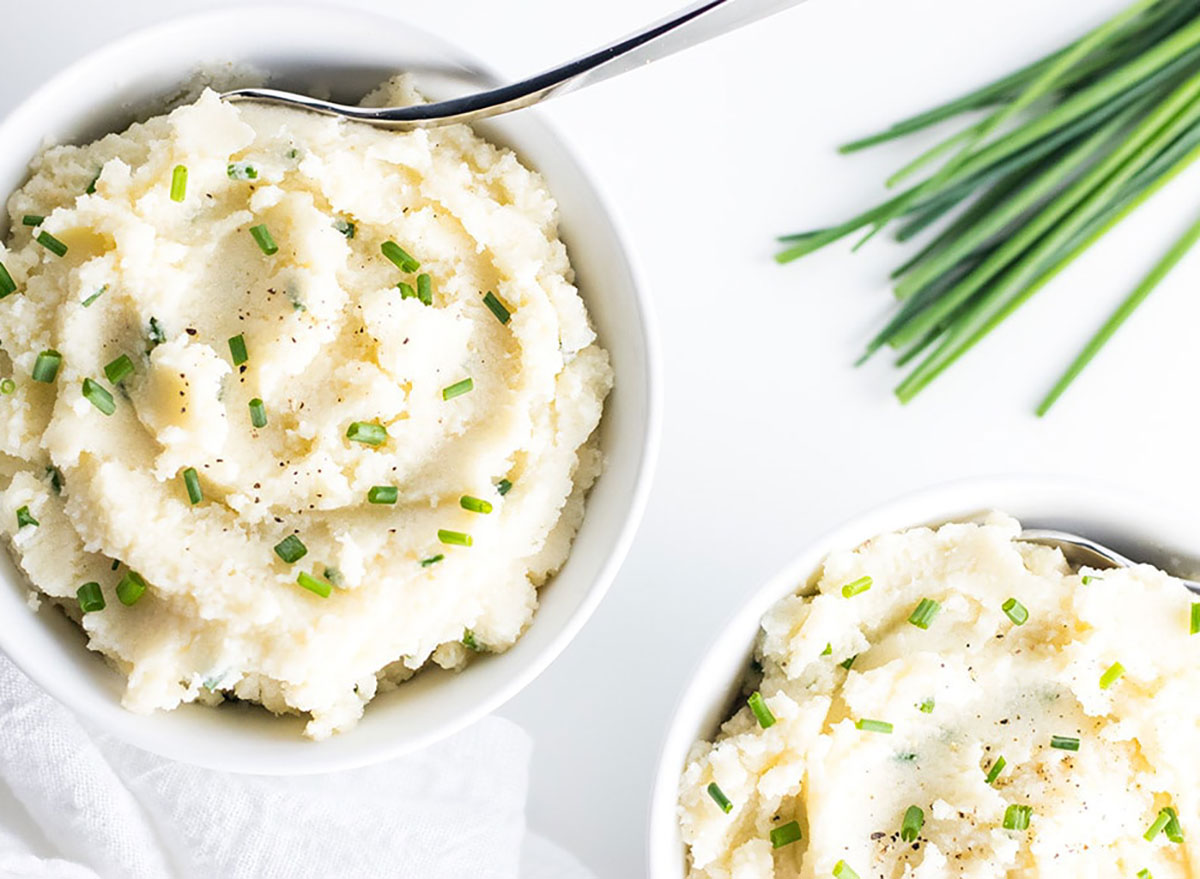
[770, 436]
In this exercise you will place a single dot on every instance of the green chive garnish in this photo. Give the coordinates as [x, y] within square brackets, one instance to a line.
[367, 432]
[51, 243]
[155, 334]
[7, 284]
[924, 613]
[785, 834]
[425, 289]
[879, 726]
[995, 771]
[291, 549]
[312, 584]
[1017, 817]
[91, 187]
[1015, 611]
[454, 538]
[90, 597]
[131, 588]
[432, 560]
[856, 587]
[24, 517]
[241, 171]
[399, 257]
[237, 349]
[1195, 618]
[842, 870]
[474, 504]
[258, 413]
[118, 369]
[910, 827]
[383, 494]
[503, 487]
[88, 302]
[1064, 743]
[1173, 829]
[758, 705]
[32, 220]
[828, 651]
[406, 290]
[926, 707]
[99, 397]
[496, 307]
[1111, 675]
[345, 227]
[846, 663]
[1088, 579]
[191, 480]
[458, 389]
[470, 641]
[179, 177]
[7, 386]
[719, 798]
[56, 479]
[45, 368]
[262, 237]
[1160, 824]
[1144, 874]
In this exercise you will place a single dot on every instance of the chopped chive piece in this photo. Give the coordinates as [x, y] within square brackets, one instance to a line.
[24, 517]
[155, 334]
[454, 538]
[1173, 829]
[425, 289]
[241, 171]
[116, 564]
[785, 834]
[45, 368]
[179, 177]
[1089, 579]
[262, 237]
[503, 487]
[403, 261]
[846, 663]
[87, 302]
[333, 575]
[474, 504]
[1017, 817]
[496, 307]
[291, 549]
[926, 707]
[383, 494]
[828, 651]
[406, 290]
[719, 798]
[910, 827]
[458, 389]
[432, 560]
[7, 386]
[32, 220]
[7, 284]
[99, 397]
[856, 587]
[1195, 618]
[51, 243]
[470, 642]
[1064, 743]
[312, 584]
[344, 226]
[1111, 675]
[258, 413]
[237, 349]
[191, 480]
[1160, 823]
[995, 771]
[1015, 611]
[130, 588]
[56, 479]
[879, 726]
[1144, 874]
[90, 597]
[842, 870]
[367, 432]
[91, 187]
[758, 705]
[924, 613]
[118, 369]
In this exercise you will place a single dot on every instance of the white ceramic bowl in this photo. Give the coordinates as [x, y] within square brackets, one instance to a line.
[1144, 531]
[346, 53]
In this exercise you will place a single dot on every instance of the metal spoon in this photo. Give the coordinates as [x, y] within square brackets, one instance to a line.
[695, 24]
[1085, 552]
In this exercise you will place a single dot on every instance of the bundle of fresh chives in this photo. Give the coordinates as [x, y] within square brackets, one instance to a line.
[1066, 148]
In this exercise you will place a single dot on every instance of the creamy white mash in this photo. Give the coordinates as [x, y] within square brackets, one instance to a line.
[423, 433]
[1037, 723]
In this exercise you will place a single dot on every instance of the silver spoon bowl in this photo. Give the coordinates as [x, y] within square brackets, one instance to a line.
[1085, 552]
[697, 23]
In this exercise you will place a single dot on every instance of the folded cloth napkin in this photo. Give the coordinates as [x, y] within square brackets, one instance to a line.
[86, 806]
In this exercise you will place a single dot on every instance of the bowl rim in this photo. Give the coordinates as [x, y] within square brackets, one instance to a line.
[647, 450]
[698, 700]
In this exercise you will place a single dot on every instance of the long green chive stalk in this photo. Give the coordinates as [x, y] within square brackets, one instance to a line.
[1064, 149]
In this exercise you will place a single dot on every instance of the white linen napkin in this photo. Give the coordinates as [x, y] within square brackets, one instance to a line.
[100, 809]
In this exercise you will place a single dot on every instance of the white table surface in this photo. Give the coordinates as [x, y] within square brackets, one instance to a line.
[769, 436]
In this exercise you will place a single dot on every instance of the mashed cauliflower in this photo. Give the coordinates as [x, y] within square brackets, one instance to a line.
[1040, 723]
[423, 434]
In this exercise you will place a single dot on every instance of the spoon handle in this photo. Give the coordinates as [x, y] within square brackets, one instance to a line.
[697, 23]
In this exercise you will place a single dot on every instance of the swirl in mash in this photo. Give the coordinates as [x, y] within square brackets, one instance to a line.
[331, 340]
